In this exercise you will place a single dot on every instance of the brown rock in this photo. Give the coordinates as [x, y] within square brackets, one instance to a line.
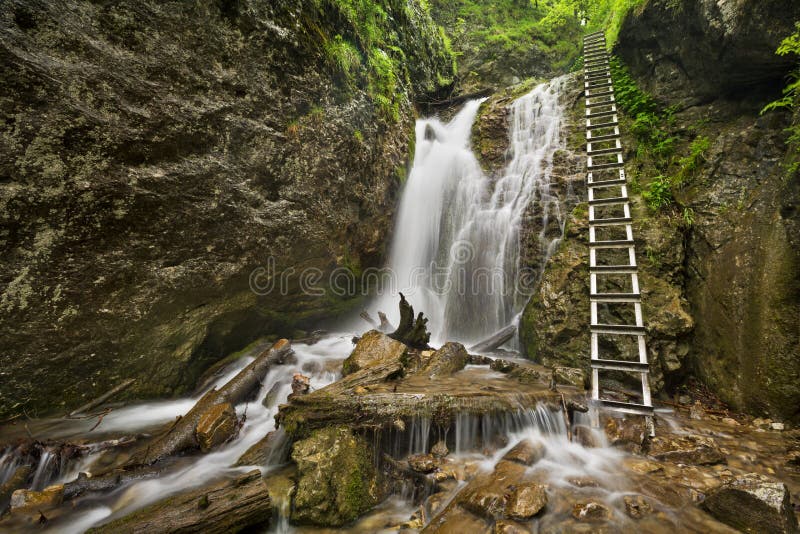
[637, 506]
[373, 348]
[423, 463]
[526, 501]
[216, 426]
[569, 376]
[440, 450]
[526, 452]
[31, 504]
[505, 526]
[585, 436]
[591, 511]
[627, 433]
[753, 503]
[449, 359]
[694, 450]
[301, 384]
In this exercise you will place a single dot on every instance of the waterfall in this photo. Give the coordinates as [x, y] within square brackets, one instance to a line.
[456, 252]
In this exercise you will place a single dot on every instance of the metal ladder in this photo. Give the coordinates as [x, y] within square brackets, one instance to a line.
[608, 191]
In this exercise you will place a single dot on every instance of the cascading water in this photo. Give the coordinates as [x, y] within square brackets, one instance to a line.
[456, 251]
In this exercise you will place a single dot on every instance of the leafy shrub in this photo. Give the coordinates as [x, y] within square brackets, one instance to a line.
[659, 193]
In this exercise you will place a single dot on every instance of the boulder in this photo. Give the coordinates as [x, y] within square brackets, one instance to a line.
[217, 425]
[337, 479]
[526, 452]
[753, 503]
[506, 526]
[449, 359]
[628, 433]
[439, 449]
[570, 376]
[373, 348]
[423, 463]
[591, 511]
[271, 398]
[636, 506]
[527, 500]
[689, 449]
[32, 504]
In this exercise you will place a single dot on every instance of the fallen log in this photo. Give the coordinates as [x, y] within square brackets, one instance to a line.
[224, 506]
[495, 340]
[368, 318]
[385, 325]
[17, 481]
[102, 398]
[244, 386]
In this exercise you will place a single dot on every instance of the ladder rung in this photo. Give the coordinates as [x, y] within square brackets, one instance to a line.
[621, 365]
[604, 93]
[621, 329]
[606, 183]
[601, 114]
[626, 407]
[594, 47]
[604, 151]
[601, 166]
[602, 125]
[614, 269]
[595, 55]
[595, 72]
[595, 85]
[615, 297]
[607, 137]
[608, 201]
[610, 221]
[612, 243]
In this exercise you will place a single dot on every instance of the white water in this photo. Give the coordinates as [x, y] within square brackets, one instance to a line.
[456, 249]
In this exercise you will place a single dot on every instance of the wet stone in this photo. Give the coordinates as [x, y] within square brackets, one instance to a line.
[526, 501]
[637, 506]
[569, 376]
[506, 526]
[29, 503]
[440, 450]
[423, 463]
[526, 452]
[372, 349]
[591, 511]
[693, 450]
[753, 503]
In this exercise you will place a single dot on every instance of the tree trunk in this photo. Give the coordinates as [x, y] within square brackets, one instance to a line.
[224, 506]
[495, 340]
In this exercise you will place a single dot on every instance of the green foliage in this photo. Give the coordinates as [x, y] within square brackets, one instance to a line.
[629, 97]
[659, 193]
[608, 15]
[688, 217]
[344, 56]
[690, 163]
[789, 101]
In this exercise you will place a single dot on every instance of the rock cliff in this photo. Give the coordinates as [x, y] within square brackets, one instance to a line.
[154, 154]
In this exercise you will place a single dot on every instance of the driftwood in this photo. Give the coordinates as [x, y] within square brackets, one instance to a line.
[181, 435]
[413, 333]
[18, 480]
[368, 318]
[495, 340]
[102, 398]
[224, 506]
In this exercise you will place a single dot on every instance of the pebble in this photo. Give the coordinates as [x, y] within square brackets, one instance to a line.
[730, 421]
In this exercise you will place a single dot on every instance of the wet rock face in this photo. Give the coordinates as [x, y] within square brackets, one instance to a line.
[753, 503]
[705, 48]
[153, 155]
[337, 478]
[372, 349]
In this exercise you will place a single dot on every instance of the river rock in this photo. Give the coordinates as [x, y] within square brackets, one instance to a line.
[689, 449]
[439, 449]
[271, 398]
[449, 359]
[636, 506]
[486, 495]
[753, 503]
[301, 384]
[570, 376]
[628, 433]
[506, 526]
[32, 504]
[216, 426]
[527, 500]
[423, 463]
[591, 511]
[526, 452]
[373, 348]
[337, 480]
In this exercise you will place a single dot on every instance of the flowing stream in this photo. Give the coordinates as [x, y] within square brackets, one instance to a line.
[456, 251]
[457, 255]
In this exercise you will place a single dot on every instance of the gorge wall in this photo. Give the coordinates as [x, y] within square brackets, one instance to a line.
[152, 154]
[720, 267]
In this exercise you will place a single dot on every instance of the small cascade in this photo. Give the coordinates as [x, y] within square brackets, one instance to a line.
[456, 252]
